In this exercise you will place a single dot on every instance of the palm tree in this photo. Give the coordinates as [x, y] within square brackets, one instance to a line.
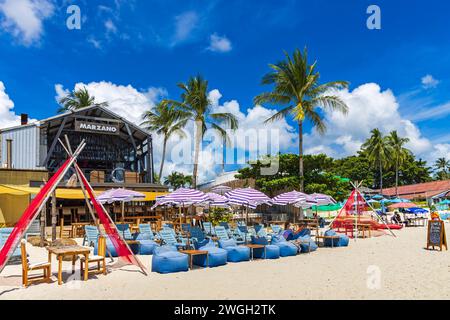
[443, 165]
[165, 120]
[378, 152]
[178, 180]
[297, 88]
[78, 99]
[398, 152]
[195, 102]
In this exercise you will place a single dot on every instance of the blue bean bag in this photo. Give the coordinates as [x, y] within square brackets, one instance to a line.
[166, 259]
[216, 256]
[269, 252]
[147, 247]
[307, 244]
[341, 242]
[235, 253]
[286, 248]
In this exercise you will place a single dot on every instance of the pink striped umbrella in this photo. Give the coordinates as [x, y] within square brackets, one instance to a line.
[293, 197]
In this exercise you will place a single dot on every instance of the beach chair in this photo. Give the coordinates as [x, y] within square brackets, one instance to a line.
[99, 258]
[125, 231]
[4, 235]
[169, 238]
[198, 237]
[185, 227]
[208, 227]
[34, 229]
[242, 234]
[146, 232]
[27, 267]
[90, 236]
[276, 229]
[235, 253]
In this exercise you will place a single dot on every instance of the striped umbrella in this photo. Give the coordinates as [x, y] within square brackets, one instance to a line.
[221, 189]
[247, 197]
[323, 199]
[216, 200]
[293, 197]
[182, 197]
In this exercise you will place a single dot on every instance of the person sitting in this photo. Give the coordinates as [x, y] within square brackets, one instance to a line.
[396, 218]
[320, 220]
[289, 234]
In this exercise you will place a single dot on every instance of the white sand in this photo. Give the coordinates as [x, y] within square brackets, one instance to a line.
[407, 271]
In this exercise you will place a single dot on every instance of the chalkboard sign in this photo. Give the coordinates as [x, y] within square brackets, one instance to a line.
[436, 235]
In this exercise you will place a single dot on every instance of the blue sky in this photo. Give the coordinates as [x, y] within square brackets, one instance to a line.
[399, 75]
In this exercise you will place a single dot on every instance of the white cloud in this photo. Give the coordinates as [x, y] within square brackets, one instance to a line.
[431, 112]
[96, 43]
[110, 26]
[185, 24]
[429, 81]
[369, 108]
[219, 44]
[24, 18]
[8, 118]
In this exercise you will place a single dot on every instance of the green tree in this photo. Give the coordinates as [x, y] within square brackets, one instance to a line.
[78, 99]
[194, 101]
[442, 166]
[378, 152]
[398, 153]
[165, 120]
[297, 89]
[178, 180]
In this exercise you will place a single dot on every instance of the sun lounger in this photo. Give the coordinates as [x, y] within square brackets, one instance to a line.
[90, 236]
[4, 235]
[34, 229]
[208, 227]
[169, 238]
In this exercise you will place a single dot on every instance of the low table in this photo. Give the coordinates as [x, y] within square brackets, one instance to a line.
[192, 253]
[256, 246]
[326, 237]
[73, 251]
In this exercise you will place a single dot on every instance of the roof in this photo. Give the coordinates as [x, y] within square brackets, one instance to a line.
[420, 190]
[97, 111]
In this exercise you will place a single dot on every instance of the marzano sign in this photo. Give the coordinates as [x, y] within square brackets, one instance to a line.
[96, 127]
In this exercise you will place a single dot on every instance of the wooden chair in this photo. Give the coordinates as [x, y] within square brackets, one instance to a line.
[64, 231]
[100, 258]
[27, 267]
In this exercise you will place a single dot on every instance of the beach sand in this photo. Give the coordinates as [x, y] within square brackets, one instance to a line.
[376, 268]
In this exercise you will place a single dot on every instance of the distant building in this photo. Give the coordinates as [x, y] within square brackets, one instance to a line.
[426, 190]
[227, 179]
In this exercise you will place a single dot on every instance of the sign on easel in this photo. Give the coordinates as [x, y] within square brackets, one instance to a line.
[436, 235]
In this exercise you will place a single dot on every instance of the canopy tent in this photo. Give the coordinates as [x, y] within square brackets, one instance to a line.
[416, 210]
[66, 193]
[124, 252]
[328, 207]
[357, 211]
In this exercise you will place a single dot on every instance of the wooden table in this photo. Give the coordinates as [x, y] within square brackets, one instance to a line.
[256, 246]
[73, 251]
[326, 237]
[192, 253]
